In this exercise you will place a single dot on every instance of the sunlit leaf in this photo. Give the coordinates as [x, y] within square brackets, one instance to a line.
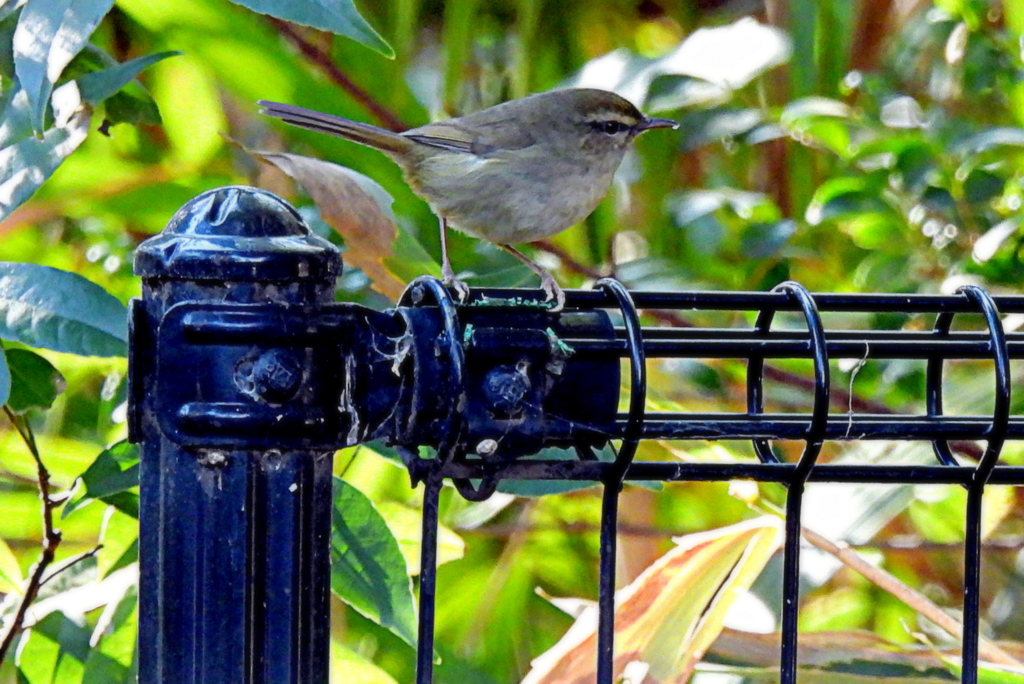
[811, 107]
[10, 571]
[53, 309]
[367, 567]
[988, 673]
[24, 165]
[730, 56]
[669, 616]
[406, 524]
[115, 470]
[336, 16]
[35, 383]
[120, 539]
[116, 631]
[347, 666]
[99, 85]
[49, 34]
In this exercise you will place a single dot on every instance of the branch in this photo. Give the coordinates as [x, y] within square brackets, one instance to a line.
[323, 61]
[912, 598]
[72, 562]
[568, 261]
[51, 536]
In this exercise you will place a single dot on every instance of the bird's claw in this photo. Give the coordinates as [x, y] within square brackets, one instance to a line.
[553, 291]
[449, 280]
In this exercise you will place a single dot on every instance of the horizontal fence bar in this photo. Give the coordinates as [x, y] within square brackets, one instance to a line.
[845, 427]
[657, 471]
[840, 344]
[756, 301]
[798, 349]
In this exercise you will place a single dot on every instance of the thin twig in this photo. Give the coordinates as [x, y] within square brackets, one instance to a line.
[912, 598]
[568, 261]
[51, 535]
[323, 61]
[72, 562]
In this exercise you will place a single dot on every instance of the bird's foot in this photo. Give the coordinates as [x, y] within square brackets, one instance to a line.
[553, 291]
[449, 280]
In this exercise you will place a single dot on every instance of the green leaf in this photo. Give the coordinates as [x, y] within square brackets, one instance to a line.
[53, 309]
[8, 23]
[367, 567]
[99, 85]
[14, 111]
[336, 16]
[120, 540]
[115, 470]
[349, 666]
[8, 7]
[5, 378]
[116, 631]
[25, 165]
[132, 105]
[49, 34]
[10, 571]
[73, 638]
[35, 383]
[988, 673]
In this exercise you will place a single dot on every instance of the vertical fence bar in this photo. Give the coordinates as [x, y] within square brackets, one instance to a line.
[428, 578]
[234, 541]
[606, 593]
[616, 476]
[976, 488]
[972, 584]
[791, 583]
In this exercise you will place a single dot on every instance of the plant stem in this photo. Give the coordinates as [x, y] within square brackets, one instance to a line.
[51, 535]
[912, 598]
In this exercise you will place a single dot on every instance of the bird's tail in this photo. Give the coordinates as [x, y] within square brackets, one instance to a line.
[372, 136]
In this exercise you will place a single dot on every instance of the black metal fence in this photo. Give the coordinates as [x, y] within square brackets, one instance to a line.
[246, 376]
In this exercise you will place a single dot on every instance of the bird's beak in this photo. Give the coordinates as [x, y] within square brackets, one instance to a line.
[648, 124]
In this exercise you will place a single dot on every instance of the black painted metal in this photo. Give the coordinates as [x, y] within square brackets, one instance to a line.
[245, 376]
[234, 540]
[615, 476]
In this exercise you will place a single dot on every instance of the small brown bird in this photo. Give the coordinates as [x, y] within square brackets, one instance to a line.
[517, 172]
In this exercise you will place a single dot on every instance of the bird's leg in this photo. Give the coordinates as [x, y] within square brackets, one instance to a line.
[447, 274]
[547, 281]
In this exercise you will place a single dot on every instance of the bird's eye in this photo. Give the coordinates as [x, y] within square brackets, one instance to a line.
[609, 127]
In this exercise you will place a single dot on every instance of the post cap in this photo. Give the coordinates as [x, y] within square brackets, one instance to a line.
[237, 233]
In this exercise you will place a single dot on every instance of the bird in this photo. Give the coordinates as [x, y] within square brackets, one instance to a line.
[517, 172]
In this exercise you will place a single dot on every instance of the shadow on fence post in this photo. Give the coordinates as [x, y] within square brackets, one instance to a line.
[234, 537]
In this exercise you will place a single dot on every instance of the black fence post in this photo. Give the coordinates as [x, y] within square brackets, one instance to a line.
[234, 542]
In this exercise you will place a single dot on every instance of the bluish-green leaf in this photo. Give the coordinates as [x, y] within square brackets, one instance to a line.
[336, 16]
[27, 163]
[115, 470]
[367, 567]
[8, 23]
[49, 34]
[99, 85]
[35, 383]
[7, 7]
[5, 378]
[15, 117]
[53, 309]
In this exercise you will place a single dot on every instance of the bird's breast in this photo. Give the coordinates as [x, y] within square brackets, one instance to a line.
[508, 199]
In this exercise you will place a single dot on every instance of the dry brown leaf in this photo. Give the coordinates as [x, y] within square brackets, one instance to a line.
[669, 616]
[347, 205]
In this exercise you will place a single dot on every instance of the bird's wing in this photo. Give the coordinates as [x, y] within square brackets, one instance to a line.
[482, 139]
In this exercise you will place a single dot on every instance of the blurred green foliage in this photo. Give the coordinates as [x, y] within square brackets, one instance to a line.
[875, 145]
